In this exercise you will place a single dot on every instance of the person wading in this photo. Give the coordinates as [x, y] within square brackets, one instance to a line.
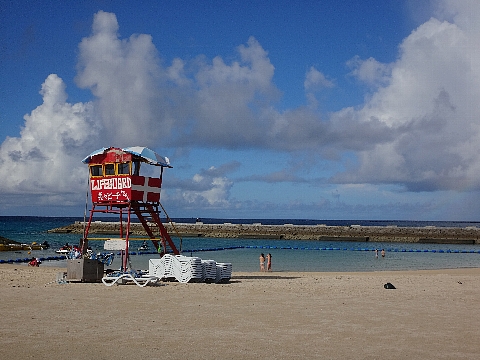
[262, 262]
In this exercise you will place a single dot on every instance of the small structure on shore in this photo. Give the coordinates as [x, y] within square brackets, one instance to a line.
[117, 187]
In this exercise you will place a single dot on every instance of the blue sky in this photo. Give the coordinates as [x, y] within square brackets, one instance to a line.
[313, 109]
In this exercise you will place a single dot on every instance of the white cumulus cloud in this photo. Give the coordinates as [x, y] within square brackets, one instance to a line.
[316, 79]
[430, 103]
[45, 159]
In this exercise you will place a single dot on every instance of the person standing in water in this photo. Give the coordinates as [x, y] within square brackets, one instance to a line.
[262, 262]
[269, 262]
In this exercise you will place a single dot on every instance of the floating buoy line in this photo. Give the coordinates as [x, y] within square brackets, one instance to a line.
[440, 251]
[455, 251]
[26, 260]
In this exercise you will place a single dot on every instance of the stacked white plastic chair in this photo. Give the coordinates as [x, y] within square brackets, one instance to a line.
[189, 269]
[209, 270]
[224, 272]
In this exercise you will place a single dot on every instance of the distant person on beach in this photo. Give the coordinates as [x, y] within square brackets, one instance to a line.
[262, 262]
[383, 253]
[34, 262]
[269, 262]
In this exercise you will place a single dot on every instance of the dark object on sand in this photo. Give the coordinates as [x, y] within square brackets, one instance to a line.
[389, 286]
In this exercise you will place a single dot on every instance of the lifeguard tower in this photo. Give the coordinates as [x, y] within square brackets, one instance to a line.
[117, 187]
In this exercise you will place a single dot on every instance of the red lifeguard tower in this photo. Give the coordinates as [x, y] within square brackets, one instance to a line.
[116, 186]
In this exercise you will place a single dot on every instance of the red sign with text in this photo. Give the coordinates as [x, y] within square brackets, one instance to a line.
[125, 188]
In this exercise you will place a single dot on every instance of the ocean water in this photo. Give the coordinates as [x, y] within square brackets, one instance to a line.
[287, 255]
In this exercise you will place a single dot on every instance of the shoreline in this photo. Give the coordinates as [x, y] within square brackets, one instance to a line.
[428, 234]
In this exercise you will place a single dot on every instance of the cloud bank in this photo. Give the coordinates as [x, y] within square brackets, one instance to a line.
[418, 127]
[41, 163]
[429, 104]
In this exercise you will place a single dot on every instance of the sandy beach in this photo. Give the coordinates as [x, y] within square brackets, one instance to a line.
[277, 315]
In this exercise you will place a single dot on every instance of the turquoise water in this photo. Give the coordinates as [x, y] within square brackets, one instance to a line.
[287, 255]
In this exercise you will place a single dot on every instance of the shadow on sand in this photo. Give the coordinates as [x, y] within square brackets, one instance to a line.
[259, 276]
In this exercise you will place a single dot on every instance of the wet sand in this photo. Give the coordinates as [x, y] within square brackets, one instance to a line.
[278, 315]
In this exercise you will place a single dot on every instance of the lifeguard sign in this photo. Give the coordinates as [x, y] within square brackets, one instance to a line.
[116, 186]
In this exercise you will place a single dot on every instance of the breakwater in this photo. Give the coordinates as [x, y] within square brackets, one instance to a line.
[428, 234]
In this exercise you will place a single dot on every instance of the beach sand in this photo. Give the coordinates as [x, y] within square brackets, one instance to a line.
[277, 315]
